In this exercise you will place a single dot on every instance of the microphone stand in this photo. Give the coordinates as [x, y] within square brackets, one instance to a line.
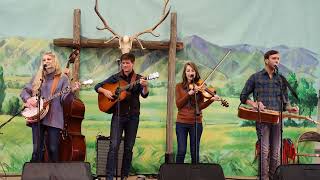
[283, 85]
[197, 113]
[282, 89]
[117, 93]
[281, 122]
[39, 157]
[3, 124]
[260, 138]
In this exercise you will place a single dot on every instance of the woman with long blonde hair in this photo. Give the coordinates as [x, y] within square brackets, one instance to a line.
[49, 72]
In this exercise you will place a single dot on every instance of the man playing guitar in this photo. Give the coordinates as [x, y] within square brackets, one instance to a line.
[125, 114]
[265, 86]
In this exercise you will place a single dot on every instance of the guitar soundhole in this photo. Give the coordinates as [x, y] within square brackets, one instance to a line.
[115, 97]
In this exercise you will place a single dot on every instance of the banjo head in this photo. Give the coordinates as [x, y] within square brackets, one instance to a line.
[31, 114]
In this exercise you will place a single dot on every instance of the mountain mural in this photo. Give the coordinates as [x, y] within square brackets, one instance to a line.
[20, 57]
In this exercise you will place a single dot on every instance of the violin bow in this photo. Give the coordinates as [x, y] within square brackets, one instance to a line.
[217, 65]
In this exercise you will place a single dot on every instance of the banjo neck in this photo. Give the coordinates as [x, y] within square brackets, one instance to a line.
[65, 91]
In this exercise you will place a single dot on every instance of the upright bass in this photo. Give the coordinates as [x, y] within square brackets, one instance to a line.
[72, 142]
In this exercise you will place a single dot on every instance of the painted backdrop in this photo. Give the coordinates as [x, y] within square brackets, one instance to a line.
[208, 29]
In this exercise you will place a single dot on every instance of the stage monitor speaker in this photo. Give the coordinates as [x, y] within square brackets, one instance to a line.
[297, 172]
[191, 172]
[102, 149]
[57, 171]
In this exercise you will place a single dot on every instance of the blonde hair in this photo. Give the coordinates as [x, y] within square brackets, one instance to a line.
[36, 82]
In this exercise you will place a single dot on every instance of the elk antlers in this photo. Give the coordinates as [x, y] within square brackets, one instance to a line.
[125, 42]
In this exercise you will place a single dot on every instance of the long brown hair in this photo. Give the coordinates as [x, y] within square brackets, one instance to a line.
[184, 77]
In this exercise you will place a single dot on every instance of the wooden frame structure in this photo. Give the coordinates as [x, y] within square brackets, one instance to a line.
[172, 46]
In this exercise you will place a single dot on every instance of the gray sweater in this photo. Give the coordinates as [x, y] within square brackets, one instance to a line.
[54, 118]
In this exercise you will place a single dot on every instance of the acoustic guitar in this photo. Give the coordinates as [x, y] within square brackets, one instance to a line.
[118, 90]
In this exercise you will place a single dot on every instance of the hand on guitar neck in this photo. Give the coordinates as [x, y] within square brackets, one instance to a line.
[294, 109]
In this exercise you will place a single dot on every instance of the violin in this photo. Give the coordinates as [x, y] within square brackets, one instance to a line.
[206, 92]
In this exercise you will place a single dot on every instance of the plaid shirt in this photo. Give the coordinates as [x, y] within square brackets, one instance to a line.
[265, 90]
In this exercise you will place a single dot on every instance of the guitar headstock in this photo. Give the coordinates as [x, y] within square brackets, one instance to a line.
[152, 76]
[87, 82]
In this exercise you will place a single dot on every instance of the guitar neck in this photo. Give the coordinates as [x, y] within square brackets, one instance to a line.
[133, 84]
[291, 115]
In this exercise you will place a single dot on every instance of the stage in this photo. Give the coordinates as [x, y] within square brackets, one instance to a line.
[148, 177]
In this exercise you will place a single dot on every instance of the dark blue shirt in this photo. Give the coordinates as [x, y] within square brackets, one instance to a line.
[265, 90]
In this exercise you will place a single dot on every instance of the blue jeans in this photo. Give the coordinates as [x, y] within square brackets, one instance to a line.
[128, 125]
[269, 137]
[182, 131]
[52, 143]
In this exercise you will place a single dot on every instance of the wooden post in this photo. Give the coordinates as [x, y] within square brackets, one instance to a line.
[169, 157]
[318, 127]
[76, 43]
[317, 148]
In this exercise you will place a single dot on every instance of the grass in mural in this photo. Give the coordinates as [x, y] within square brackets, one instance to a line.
[223, 141]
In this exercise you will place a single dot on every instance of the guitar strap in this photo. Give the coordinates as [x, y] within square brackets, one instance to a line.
[54, 84]
[53, 88]
[133, 79]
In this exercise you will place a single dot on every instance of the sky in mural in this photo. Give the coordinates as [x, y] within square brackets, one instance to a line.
[225, 22]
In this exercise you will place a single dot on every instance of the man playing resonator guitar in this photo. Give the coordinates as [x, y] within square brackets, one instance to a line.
[265, 86]
[127, 109]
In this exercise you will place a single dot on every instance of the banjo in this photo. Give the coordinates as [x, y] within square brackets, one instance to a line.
[31, 113]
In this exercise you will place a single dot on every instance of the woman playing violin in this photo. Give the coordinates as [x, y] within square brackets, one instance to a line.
[186, 91]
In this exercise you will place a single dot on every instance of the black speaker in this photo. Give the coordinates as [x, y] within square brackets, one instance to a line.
[191, 172]
[102, 149]
[57, 171]
[297, 172]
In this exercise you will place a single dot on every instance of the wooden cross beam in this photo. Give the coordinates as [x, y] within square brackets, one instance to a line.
[172, 46]
[78, 42]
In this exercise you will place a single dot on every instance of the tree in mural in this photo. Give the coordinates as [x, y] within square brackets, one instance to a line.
[307, 96]
[292, 79]
[2, 88]
[12, 106]
[306, 92]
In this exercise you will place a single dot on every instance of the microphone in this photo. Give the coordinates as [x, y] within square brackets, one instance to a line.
[44, 66]
[118, 61]
[276, 69]
[192, 77]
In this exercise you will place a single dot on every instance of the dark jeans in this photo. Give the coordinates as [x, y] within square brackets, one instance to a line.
[182, 131]
[270, 144]
[52, 143]
[128, 125]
